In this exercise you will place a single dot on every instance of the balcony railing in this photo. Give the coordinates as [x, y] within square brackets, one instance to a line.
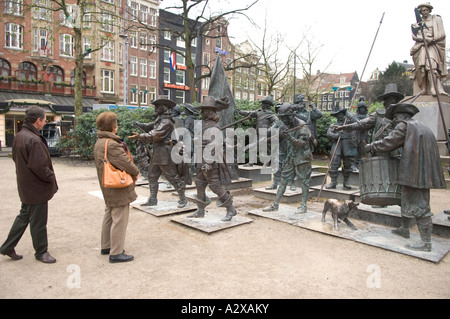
[40, 86]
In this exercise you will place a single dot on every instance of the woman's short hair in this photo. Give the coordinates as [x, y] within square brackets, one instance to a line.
[106, 121]
[33, 113]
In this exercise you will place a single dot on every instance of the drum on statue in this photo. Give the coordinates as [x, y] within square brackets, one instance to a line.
[378, 181]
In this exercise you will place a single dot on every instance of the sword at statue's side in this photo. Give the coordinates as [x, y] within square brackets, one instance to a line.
[353, 99]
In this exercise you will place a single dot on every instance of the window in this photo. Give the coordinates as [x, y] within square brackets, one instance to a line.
[87, 18]
[66, 45]
[14, 7]
[72, 10]
[180, 59]
[180, 42]
[167, 56]
[109, 1]
[120, 53]
[206, 58]
[13, 36]
[152, 74]
[5, 68]
[133, 66]
[143, 13]
[166, 75]
[133, 39]
[40, 11]
[143, 95]
[194, 42]
[152, 93]
[205, 83]
[134, 10]
[219, 43]
[180, 77]
[57, 74]
[72, 78]
[27, 71]
[133, 94]
[107, 52]
[152, 18]
[86, 46]
[40, 38]
[106, 22]
[152, 42]
[143, 41]
[179, 97]
[107, 81]
[143, 64]
[167, 35]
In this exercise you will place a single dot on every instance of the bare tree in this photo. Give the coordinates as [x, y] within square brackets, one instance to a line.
[275, 69]
[197, 23]
[308, 58]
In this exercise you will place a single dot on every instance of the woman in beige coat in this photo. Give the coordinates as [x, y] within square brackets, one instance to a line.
[117, 200]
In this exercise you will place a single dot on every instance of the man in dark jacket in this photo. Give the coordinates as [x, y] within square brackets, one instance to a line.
[419, 170]
[36, 184]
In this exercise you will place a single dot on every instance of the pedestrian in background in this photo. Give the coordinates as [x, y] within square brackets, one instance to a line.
[117, 200]
[36, 184]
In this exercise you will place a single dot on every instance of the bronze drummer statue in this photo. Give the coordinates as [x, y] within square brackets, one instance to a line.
[419, 170]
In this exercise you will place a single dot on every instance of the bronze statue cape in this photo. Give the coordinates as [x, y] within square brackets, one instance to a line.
[420, 146]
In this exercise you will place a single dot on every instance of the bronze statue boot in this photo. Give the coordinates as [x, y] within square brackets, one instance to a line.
[227, 201]
[271, 208]
[301, 209]
[231, 211]
[333, 184]
[425, 226]
[346, 184]
[183, 200]
[273, 186]
[403, 230]
[200, 212]
[150, 202]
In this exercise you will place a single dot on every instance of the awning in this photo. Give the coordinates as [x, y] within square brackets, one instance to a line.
[62, 104]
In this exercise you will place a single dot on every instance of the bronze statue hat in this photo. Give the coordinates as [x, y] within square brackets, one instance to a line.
[190, 108]
[390, 90]
[401, 108]
[209, 102]
[162, 99]
[267, 100]
[337, 109]
[426, 4]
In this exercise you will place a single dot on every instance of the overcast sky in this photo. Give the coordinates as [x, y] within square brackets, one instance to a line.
[346, 28]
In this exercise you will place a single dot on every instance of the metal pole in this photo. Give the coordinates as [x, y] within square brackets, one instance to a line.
[345, 121]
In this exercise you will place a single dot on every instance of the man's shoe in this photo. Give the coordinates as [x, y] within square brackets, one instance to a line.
[46, 258]
[121, 258]
[12, 254]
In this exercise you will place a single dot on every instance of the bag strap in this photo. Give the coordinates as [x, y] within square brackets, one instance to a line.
[106, 149]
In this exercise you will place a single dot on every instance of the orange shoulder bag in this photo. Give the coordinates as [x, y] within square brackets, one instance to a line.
[113, 177]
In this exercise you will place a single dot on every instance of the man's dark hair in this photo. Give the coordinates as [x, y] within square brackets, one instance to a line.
[33, 113]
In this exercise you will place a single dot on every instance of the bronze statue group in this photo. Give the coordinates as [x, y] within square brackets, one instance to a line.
[390, 140]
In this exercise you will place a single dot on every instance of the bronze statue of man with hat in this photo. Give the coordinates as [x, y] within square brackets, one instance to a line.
[377, 121]
[160, 135]
[212, 169]
[265, 117]
[419, 170]
[297, 163]
[343, 149]
[310, 116]
[429, 47]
